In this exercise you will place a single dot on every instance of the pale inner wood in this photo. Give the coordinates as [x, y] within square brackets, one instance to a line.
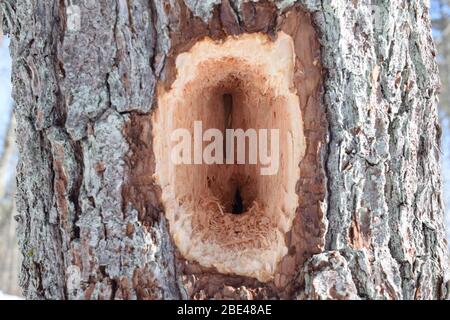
[243, 82]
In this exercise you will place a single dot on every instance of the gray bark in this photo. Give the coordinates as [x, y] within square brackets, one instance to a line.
[90, 227]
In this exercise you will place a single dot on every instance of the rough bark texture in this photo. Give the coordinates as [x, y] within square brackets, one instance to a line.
[90, 221]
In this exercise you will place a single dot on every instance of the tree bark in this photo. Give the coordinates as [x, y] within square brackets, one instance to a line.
[91, 222]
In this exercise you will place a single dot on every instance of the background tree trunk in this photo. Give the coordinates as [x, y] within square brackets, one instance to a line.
[91, 224]
[9, 254]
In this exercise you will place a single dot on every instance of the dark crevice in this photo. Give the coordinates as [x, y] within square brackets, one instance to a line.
[154, 37]
[227, 100]
[76, 189]
[228, 106]
[235, 7]
[238, 204]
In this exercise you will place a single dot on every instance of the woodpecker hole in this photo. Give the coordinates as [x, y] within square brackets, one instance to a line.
[231, 216]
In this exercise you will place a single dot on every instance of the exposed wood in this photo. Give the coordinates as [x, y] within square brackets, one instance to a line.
[258, 75]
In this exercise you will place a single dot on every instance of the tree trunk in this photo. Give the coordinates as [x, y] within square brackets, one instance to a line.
[95, 222]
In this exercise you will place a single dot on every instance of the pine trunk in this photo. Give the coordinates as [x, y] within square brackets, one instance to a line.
[92, 222]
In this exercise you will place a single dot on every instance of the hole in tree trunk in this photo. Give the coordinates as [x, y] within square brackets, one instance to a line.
[231, 215]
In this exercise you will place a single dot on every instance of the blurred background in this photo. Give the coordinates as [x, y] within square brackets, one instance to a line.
[9, 255]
